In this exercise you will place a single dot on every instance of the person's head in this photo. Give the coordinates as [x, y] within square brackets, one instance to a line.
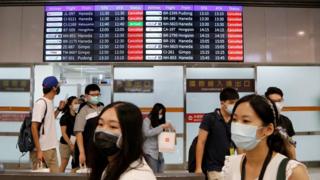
[50, 84]
[119, 136]
[275, 95]
[157, 115]
[253, 124]
[72, 105]
[82, 99]
[228, 97]
[92, 94]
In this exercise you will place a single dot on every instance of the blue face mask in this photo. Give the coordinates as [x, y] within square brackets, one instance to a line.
[244, 136]
[94, 100]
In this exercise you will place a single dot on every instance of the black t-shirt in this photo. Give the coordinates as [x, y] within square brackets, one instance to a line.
[218, 141]
[286, 123]
[67, 120]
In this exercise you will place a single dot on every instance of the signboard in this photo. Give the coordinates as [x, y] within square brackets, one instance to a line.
[14, 85]
[133, 86]
[143, 32]
[216, 85]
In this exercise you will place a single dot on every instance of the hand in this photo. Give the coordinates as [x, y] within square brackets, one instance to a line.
[82, 159]
[198, 171]
[40, 156]
[166, 125]
[62, 104]
[71, 148]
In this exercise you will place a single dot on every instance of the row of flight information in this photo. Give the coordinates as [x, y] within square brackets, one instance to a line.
[148, 32]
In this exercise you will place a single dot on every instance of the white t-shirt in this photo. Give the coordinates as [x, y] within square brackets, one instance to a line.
[48, 140]
[232, 167]
[141, 171]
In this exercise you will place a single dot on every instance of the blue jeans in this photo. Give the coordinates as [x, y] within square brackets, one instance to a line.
[157, 165]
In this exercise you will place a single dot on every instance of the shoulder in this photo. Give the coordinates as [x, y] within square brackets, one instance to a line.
[296, 170]
[138, 170]
[231, 165]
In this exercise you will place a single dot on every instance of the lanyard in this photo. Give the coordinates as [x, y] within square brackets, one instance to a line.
[264, 166]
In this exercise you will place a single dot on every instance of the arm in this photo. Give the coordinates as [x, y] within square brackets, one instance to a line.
[82, 156]
[299, 173]
[149, 131]
[78, 129]
[35, 135]
[59, 109]
[202, 138]
[65, 136]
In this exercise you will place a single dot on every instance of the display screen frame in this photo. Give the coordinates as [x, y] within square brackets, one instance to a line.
[144, 42]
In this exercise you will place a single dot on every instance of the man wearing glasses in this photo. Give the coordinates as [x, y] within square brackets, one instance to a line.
[86, 121]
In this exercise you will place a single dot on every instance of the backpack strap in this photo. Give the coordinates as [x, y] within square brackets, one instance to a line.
[44, 116]
[281, 175]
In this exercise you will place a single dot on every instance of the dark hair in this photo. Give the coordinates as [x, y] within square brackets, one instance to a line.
[66, 108]
[91, 87]
[154, 115]
[267, 113]
[46, 90]
[229, 94]
[273, 90]
[130, 119]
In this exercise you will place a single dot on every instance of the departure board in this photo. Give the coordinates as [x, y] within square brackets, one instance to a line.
[144, 32]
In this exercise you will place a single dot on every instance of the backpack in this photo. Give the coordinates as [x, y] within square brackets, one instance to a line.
[192, 155]
[192, 150]
[25, 140]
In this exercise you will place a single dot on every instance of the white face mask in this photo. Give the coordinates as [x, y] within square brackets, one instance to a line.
[230, 108]
[279, 106]
[244, 136]
[75, 107]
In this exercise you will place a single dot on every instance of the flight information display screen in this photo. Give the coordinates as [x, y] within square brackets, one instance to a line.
[147, 32]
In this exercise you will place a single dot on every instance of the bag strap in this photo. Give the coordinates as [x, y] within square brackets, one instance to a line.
[281, 175]
[44, 116]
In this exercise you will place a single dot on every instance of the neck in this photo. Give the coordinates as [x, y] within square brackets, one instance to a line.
[226, 116]
[72, 113]
[49, 95]
[257, 156]
[112, 158]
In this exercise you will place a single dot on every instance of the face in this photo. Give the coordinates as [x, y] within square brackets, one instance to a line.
[275, 98]
[109, 121]
[246, 115]
[225, 104]
[93, 93]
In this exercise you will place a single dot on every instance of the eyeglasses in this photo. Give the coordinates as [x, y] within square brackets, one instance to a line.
[95, 94]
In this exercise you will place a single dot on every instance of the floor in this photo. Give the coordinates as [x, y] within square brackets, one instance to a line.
[314, 173]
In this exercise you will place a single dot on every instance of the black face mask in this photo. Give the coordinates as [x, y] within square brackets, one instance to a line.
[57, 90]
[106, 142]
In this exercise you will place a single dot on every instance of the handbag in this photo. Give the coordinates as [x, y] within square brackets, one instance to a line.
[167, 141]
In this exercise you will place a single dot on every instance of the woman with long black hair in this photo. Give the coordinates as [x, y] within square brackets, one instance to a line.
[67, 123]
[153, 125]
[266, 156]
[118, 139]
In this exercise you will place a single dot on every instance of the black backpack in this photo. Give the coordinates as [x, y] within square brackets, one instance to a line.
[192, 156]
[25, 139]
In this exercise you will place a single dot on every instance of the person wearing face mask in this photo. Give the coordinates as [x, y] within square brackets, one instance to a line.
[43, 126]
[153, 125]
[275, 95]
[214, 141]
[86, 114]
[67, 124]
[117, 149]
[253, 130]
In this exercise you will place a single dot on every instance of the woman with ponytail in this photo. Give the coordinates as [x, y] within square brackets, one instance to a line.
[266, 156]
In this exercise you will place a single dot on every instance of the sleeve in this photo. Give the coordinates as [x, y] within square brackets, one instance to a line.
[80, 120]
[290, 130]
[63, 120]
[148, 130]
[290, 167]
[206, 123]
[38, 111]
